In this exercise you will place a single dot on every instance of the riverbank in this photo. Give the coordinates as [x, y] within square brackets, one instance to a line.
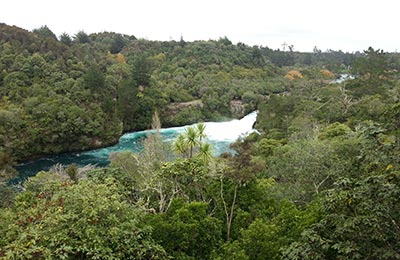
[216, 132]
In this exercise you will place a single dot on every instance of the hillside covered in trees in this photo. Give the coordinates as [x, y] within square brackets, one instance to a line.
[82, 92]
[321, 179]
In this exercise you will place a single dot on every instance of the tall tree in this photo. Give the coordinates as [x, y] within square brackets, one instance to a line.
[191, 141]
[141, 71]
[66, 39]
[44, 31]
[117, 44]
[94, 79]
[128, 103]
[373, 64]
[81, 37]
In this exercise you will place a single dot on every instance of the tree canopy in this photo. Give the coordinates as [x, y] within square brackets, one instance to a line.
[319, 179]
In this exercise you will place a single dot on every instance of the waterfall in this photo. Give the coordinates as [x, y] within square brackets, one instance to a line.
[219, 134]
[231, 130]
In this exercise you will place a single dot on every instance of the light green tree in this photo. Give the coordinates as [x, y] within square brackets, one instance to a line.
[191, 142]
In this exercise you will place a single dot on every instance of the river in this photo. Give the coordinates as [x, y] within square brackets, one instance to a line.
[342, 78]
[219, 134]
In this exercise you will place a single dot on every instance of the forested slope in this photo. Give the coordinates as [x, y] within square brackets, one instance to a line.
[321, 179]
[82, 92]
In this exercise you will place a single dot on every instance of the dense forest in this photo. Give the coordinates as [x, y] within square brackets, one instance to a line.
[320, 179]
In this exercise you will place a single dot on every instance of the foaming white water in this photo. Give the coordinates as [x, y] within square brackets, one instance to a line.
[231, 130]
[220, 131]
[342, 78]
[219, 134]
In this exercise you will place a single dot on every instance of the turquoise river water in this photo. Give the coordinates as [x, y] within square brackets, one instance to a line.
[219, 134]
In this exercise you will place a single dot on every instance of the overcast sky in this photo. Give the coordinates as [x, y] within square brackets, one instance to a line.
[348, 25]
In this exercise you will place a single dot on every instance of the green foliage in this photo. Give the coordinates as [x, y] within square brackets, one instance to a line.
[307, 168]
[186, 231]
[44, 31]
[81, 37]
[127, 102]
[94, 79]
[7, 195]
[266, 146]
[86, 220]
[142, 174]
[66, 39]
[43, 181]
[118, 77]
[188, 116]
[6, 167]
[372, 64]
[391, 115]
[72, 172]
[373, 73]
[360, 222]
[191, 142]
[7, 172]
[263, 239]
[271, 117]
[141, 71]
[334, 130]
[189, 177]
[231, 250]
[320, 181]
[117, 44]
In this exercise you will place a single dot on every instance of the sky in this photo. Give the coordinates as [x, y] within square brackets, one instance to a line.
[347, 25]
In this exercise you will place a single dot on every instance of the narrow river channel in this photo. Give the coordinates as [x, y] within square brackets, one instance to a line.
[219, 134]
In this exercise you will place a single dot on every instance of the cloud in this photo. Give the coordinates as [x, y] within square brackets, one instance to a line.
[340, 24]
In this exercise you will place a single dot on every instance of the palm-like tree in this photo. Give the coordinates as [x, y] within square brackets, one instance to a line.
[191, 140]
[201, 127]
[179, 145]
[205, 153]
